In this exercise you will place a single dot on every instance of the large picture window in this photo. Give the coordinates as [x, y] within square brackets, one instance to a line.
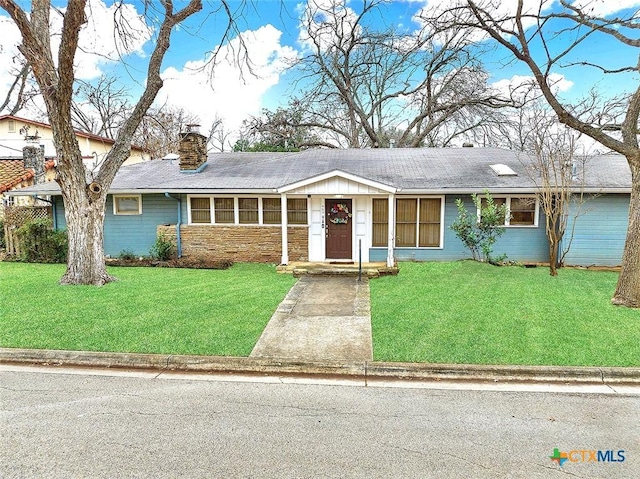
[418, 222]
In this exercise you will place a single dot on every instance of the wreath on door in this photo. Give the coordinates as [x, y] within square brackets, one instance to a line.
[339, 214]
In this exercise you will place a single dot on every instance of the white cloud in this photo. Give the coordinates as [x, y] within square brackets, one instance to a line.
[230, 91]
[605, 8]
[520, 86]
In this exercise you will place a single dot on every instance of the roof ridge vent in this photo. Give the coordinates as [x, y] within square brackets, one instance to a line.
[501, 169]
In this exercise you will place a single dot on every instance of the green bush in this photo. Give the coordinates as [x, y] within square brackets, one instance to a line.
[127, 255]
[480, 234]
[39, 243]
[163, 249]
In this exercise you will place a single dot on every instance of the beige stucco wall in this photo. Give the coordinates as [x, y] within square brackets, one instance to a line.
[12, 142]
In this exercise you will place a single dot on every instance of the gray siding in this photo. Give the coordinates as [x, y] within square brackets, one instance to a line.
[600, 231]
[527, 244]
[131, 233]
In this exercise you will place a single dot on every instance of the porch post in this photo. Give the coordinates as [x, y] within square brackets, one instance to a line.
[392, 229]
[285, 223]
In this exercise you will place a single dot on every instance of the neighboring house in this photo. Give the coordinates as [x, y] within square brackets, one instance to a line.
[14, 132]
[341, 205]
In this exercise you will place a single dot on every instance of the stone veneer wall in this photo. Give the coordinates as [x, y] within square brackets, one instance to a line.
[253, 244]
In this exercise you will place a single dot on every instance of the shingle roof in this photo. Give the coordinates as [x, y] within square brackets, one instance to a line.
[13, 172]
[419, 169]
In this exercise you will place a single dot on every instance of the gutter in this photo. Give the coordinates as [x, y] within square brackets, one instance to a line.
[178, 224]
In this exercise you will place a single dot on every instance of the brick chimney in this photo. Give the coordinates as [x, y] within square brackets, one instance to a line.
[192, 149]
[33, 158]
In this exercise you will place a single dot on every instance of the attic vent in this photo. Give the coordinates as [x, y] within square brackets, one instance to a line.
[503, 170]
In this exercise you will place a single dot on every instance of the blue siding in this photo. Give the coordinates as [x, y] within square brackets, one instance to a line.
[132, 233]
[527, 244]
[600, 232]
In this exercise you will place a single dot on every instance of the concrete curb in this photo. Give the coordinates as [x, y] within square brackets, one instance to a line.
[366, 370]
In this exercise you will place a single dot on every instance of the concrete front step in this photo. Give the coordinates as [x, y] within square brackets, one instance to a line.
[369, 270]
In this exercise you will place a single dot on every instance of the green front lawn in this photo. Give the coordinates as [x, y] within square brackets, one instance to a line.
[149, 310]
[461, 312]
[467, 312]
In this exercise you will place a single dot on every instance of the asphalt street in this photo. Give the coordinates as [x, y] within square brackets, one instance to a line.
[62, 425]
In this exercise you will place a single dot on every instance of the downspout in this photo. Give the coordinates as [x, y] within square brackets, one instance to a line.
[178, 241]
[53, 210]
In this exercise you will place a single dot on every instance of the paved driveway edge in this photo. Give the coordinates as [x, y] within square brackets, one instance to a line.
[368, 370]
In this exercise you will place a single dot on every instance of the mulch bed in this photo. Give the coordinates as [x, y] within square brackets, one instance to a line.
[184, 262]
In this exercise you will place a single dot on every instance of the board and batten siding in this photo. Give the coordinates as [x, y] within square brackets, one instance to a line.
[600, 231]
[131, 233]
[526, 244]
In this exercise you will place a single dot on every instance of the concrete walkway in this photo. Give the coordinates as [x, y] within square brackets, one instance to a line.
[321, 319]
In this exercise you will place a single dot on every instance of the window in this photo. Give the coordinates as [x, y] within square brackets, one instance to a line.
[429, 225]
[522, 211]
[380, 222]
[224, 210]
[418, 222]
[248, 210]
[245, 211]
[406, 214]
[271, 211]
[12, 126]
[297, 211]
[200, 210]
[127, 205]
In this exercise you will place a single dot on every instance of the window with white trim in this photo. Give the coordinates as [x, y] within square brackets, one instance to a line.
[245, 210]
[521, 210]
[419, 222]
[127, 204]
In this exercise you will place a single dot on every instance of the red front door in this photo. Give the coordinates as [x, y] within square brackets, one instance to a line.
[338, 229]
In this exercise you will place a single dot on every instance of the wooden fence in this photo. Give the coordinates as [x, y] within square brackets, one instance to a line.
[15, 217]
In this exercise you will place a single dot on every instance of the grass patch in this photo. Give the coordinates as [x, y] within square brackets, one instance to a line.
[468, 312]
[149, 310]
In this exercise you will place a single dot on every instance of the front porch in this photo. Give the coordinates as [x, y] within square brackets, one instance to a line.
[369, 270]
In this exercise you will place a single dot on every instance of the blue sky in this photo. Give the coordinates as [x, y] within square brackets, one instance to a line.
[271, 29]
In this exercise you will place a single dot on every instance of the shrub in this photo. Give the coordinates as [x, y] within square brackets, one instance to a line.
[127, 255]
[480, 234]
[163, 249]
[39, 243]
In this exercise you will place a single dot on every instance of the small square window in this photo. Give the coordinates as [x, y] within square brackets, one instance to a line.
[127, 205]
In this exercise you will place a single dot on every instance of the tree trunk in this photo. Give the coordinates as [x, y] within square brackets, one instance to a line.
[628, 288]
[85, 224]
[553, 254]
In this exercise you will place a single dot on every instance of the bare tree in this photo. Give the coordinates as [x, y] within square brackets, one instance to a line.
[218, 137]
[100, 108]
[84, 199]
[160, 128]
[532, 36]
[368, 83]
[21, 89]
[558, 170]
